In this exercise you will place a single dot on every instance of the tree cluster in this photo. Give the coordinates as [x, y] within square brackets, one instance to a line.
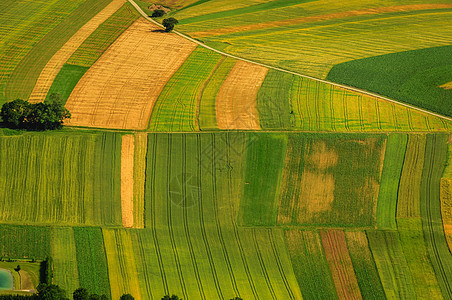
[158, 13]
[20, 114]
[169, 24]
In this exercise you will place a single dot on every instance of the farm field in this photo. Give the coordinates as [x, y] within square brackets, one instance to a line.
[32, 32]
[189, 171]
[78, 172]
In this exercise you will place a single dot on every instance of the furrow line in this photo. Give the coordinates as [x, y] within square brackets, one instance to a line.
[219, 230]
[202, 225]
[170, 222]
[154, 230]
[262, 264]
[278, 262]
[185, 217]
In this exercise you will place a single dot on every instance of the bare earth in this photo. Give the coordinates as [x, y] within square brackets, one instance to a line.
[127, 155]
[120, 89]
[236, 100]
[55, 64]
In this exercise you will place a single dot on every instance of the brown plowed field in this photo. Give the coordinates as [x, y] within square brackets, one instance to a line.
[55, 64]
[120, 89]
[236, 100]
[340, 264]
[318, 18]
[127, 155]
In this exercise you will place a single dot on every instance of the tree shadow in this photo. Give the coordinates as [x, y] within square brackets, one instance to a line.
[159, 30]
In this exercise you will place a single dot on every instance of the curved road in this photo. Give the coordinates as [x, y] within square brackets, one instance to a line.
[287, 71]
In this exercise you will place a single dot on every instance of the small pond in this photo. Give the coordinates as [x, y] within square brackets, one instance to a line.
[6, 280]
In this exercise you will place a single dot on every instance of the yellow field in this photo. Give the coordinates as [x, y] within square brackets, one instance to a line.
[236, 100]
[127, 155]
[55, 64]
[120, 89]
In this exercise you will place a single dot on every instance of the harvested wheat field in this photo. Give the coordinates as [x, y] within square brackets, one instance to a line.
[127, 155]
[55, 64]
[120, 89]
[236, 100]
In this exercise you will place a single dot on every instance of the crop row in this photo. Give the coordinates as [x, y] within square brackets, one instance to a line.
[58, 178]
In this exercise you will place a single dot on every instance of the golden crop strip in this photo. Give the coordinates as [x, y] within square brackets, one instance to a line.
[120, 89]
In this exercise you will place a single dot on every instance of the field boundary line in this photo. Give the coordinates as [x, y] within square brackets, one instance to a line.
[350, 88]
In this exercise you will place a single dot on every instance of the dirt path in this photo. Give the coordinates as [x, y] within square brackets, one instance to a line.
[236, 105]
[55, 64]
[349, 88]
[120, 89]
[127, 155]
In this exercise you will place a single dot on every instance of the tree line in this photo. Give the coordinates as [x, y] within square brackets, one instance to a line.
[20, 114]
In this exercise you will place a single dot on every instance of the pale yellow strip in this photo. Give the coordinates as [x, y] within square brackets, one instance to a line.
[236, 106]
[127, 155]
[57, 61]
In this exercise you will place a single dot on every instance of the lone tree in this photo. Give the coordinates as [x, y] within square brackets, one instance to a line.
[173, 297]
[21, 114]
[158, 13]
[169, 24]
[126, 297]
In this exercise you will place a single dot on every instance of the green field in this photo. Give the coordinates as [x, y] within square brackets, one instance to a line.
[414, 77]
[32, 32]
[56, 178]
[25, 241]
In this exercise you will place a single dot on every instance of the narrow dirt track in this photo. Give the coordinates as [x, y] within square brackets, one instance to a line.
[120, 89]
[236, 104]
[55, 64]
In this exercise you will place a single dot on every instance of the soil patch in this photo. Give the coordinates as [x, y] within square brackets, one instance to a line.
[236, 101]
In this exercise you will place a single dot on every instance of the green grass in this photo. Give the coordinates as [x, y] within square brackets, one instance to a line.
[413, 77]
[32, 269]
[33, 32]
[262, 179]
[391, 264]
[330, 180]
[49, 178]
[65, 273]
[195, 246]
[390, 177]
[177, 106]
[413, 245]
[310, 265]
[364, 265]
[91, 260]
[438, 250]
[99, 41]
[207, 112]
[273, 104]
[65, 81]
[24, 241]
